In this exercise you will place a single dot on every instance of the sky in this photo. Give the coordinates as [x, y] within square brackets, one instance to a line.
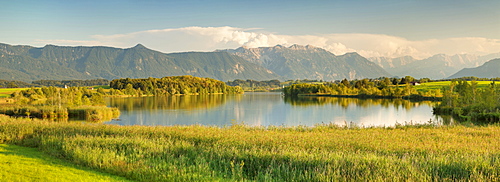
[386, 28]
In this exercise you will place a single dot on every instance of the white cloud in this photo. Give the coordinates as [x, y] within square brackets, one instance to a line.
[212, 38]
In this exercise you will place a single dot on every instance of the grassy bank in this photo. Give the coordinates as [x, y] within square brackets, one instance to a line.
[29, 164]
[323, 153]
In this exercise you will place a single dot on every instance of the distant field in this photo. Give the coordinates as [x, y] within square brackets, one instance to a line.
[5, 92]
[439, 85]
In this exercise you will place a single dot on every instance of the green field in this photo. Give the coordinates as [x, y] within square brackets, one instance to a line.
[424, 87]
[5, 92]
[29, 164]
[241, 153]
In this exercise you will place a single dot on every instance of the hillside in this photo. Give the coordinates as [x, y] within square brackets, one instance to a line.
[309, 62]
[490, 69]
[436, 67]
[51, 62]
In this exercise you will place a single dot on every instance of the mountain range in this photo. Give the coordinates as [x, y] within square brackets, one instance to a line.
[309, 62]
[27, 63]
[436, 67]
[490, 69]
[51, 62]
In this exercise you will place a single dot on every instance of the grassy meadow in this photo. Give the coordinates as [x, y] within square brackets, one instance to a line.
[424, 87]
[241, 153]
[5, 92]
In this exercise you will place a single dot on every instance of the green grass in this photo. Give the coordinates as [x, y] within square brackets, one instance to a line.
[425, 87]
[29, 164]
[5, 92]
[241, 153]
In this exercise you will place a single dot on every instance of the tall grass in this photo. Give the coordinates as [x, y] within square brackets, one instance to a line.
[93, 113]
[45, 112]
[241, 153]
[88, 113]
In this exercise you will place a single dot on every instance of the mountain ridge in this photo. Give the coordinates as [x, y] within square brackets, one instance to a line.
[490, 69]
[52, 62]
[27, 63]
[309, 62]
[438, 66]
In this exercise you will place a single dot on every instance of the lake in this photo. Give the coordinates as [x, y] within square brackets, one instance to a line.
[271, 109]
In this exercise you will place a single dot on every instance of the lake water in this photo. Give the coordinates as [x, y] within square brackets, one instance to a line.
[265, 109]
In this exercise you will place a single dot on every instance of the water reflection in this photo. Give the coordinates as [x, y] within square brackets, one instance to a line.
[345, 102]
[188, 102]
[264, 109]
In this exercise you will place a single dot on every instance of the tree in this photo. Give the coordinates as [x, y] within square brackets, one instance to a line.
[403, 81]
[387, 81]
[345, 82]
[395, 81]
[12, 85]
[129, 89]
[409, 79]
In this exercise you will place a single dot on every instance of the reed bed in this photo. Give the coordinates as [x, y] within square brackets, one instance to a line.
[241, 153]
[42, 112]
[93, 113]
[88, 113]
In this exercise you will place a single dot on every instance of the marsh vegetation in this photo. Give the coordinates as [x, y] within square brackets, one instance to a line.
[238, 152]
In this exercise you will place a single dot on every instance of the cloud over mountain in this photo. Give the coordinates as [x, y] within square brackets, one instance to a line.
[211, 38]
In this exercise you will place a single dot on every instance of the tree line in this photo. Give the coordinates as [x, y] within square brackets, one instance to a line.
[15, 84]
[53, 96]
[71, 83]
[253, 85]
[53, 83]
[383, 87]
[468, 102]
[172, 85]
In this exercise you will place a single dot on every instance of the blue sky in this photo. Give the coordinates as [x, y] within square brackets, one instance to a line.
[409, 24]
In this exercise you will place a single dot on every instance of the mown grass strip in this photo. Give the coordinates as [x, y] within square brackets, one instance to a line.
[29, 164]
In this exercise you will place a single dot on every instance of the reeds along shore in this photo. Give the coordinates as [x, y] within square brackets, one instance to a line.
[88, 113]
[59, 104]
[241, 153]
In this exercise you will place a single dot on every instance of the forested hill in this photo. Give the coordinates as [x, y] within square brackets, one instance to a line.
[309, 62]
[490, 69]
[51, 62]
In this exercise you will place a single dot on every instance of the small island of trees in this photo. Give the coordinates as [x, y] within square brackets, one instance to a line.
[374, 88]
[173, 85]
[463, 99]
